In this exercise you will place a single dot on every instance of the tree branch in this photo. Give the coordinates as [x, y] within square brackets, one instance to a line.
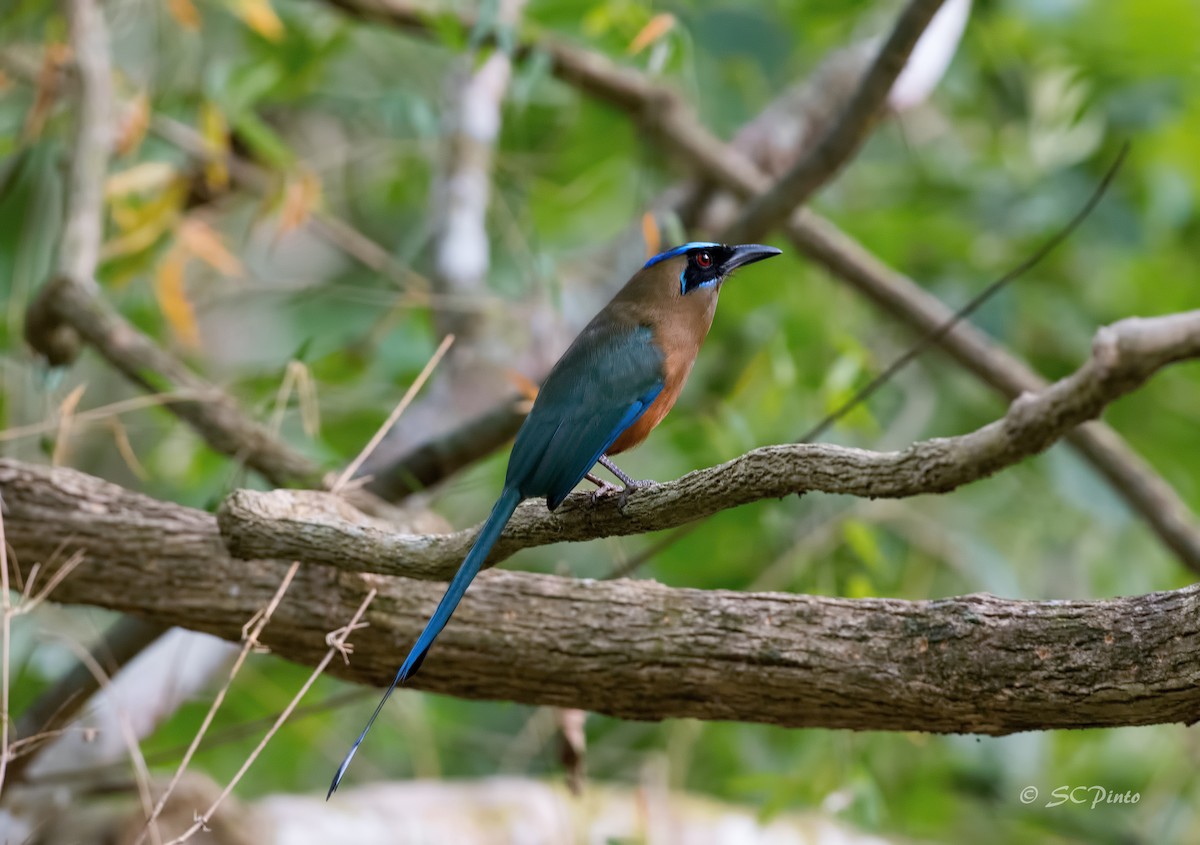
[844, 138]
[822, 241]
[213, 414]
[68, 308]
[1123, 356]
[83, 226]
[1146, 492]
[636, 649]
[442, 456]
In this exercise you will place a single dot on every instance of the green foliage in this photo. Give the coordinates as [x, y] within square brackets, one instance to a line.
[1032, 111]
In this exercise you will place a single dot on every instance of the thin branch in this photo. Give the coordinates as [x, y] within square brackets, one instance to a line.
[844, 138]
[214, 414]
[57, 707]
[337, 645]
[83, 229]
[444, 455]
[1124, 355]
[400, 408]
[129, 737]
[68, 308]
[637, 649]
[250, 641]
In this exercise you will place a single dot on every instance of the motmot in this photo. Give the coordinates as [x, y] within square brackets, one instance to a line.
[608, 391]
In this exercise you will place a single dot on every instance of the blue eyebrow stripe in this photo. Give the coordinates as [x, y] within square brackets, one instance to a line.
[679, 250]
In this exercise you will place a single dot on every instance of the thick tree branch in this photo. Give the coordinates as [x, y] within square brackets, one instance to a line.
[636, 649]
[1124, 355]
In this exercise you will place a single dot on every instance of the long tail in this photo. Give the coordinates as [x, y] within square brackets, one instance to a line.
[501, 513]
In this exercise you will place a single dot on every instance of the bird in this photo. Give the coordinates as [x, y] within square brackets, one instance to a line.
[607, 392]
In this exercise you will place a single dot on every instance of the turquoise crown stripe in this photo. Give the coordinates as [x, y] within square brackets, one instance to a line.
[679, 250]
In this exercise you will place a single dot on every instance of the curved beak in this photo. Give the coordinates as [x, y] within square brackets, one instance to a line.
[747, 254]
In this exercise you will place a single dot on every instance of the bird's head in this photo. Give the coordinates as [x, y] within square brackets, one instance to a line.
[702, 266]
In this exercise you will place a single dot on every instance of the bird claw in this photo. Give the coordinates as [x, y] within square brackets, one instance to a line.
[603, 490]
[631, 487]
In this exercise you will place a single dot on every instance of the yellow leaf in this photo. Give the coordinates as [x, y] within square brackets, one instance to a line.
[655, 28]
[142, 224]
[185, 14]
[215, 131]
[202, 241]
[139, 179]
[301, 195]
[260, 17]
[134, 123]
[172, 298]
[651, 235]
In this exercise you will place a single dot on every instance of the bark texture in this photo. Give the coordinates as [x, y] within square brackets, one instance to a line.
[637, 649]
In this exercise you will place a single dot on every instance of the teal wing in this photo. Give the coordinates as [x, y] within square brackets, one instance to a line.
[599, 388]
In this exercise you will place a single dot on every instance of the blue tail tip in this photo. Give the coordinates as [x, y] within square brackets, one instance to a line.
[337, 776]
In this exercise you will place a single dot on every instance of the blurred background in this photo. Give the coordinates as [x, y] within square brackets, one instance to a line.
[373, 125]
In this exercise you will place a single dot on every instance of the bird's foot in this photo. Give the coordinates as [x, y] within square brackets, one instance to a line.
[631, 486]
[603, 488]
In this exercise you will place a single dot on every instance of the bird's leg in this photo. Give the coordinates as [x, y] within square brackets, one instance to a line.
[630, 484]
[603, 488]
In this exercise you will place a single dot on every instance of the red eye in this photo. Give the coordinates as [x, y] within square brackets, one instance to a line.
[703, 260]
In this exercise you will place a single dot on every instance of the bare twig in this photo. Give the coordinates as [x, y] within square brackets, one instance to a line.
[250, 642]
[442, 456]
[57, 706]
[337, 645]
[140, 770]
[401, 406]
[102, 412]
[971, 306]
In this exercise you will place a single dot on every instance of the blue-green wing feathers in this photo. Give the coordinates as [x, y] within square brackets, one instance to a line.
[603, 383]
